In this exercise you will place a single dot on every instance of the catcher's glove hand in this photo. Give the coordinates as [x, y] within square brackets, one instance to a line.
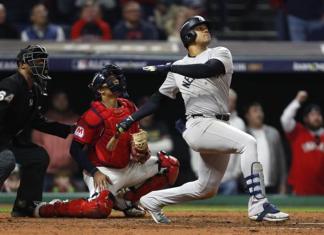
[139, 148]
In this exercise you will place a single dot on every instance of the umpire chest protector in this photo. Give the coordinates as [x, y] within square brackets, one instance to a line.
[119, 158]
[187, 34]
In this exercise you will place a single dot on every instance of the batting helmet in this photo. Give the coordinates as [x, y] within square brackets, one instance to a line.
[187, 34]
[112, 77]
[36, 57]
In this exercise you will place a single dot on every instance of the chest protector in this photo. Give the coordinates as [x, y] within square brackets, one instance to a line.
[119, 158]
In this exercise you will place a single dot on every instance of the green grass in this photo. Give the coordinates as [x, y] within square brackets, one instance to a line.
[6, 208]
[213, 208]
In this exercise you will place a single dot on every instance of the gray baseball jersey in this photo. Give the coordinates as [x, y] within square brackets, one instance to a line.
[208, 96]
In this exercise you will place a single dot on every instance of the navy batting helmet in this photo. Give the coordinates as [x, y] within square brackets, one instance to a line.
[112, 77]
[187, 34]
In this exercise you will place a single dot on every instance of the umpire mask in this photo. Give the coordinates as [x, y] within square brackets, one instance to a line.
[36, 57]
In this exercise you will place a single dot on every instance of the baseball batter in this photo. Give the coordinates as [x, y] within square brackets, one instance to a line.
[203, 78]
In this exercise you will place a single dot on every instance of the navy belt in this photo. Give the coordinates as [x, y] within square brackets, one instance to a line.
[223, 117]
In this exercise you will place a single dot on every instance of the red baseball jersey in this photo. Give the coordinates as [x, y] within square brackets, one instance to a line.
[98, 125]
[307, 170]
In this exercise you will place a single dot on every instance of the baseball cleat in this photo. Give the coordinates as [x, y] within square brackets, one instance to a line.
[134, 212]
[262, 210]
[157, 214]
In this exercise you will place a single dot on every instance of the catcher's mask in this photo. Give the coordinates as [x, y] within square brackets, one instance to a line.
[36, 57]
[113, 78]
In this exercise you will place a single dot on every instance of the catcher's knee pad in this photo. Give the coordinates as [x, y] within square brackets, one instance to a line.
[168, 166]
[98, 206]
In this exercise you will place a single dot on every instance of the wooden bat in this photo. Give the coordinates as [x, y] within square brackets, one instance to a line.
[112, 143]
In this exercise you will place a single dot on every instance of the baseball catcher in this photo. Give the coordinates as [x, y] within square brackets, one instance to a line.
[115, 178]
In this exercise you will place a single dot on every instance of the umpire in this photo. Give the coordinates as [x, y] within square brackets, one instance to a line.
[20, 105]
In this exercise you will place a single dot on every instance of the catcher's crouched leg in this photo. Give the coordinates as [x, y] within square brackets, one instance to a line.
[168, 173]
[98, 206]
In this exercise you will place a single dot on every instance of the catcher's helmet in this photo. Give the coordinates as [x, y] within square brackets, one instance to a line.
[187, 34]
[36, 57]
[112, 77]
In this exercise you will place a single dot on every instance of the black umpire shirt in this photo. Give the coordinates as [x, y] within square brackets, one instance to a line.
[20, 108]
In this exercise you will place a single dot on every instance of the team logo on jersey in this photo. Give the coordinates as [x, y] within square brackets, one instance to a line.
[187, 82]
[79, 132]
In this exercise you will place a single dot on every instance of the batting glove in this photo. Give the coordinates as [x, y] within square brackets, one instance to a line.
[162, 68]
[125, 124]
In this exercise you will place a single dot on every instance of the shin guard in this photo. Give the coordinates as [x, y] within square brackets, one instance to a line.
[98, 206]
[168, 173]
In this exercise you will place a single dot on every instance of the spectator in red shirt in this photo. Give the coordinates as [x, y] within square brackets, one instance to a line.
[307, 146]
[90, 26]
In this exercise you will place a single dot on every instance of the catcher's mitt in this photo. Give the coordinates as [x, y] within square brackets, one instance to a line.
[139, 149]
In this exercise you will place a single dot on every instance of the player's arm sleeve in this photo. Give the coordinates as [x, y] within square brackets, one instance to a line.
[287, 118]
[224, 55]
[79, 154]
[211, 68]
[154, 102]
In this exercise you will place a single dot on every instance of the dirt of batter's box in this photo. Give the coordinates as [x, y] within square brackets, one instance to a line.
[182, 223]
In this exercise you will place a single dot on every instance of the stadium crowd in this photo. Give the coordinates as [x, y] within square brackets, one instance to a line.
[92, 20]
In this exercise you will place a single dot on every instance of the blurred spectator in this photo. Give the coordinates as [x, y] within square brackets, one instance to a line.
[90, 26]
[161, 16]
[281, 19]
[12, 182]
[19, 11]
[306, 140]
[146, 5]
[62, 182]
[304, 17]
[7, 31]
[58, 148]
[182, 14]
[196, 6]
[158, 135]
[229, 183]
[133, 27]
[269, 147]
[110, 9]
[41, 29]
[61, 11]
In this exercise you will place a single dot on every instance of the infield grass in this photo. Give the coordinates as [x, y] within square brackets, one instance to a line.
[6, 208]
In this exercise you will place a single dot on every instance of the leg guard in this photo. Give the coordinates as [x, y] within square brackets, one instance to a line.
[255, 182]
[168, 173]
[98, 206]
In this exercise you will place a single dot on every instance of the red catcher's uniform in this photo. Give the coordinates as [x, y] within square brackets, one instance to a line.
[98, 125]
[307, 169]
